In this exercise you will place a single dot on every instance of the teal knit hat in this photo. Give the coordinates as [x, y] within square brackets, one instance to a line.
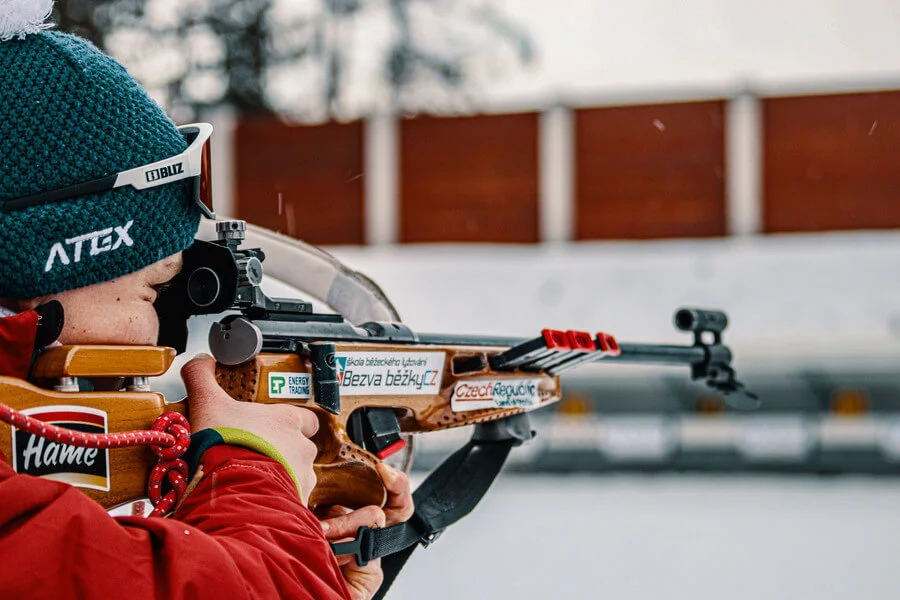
[69, 114]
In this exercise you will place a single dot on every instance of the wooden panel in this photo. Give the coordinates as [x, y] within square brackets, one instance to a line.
[102, 361]
[650, 171]
[316, 170]
[129, 468]
[470, 179]
[831, 162]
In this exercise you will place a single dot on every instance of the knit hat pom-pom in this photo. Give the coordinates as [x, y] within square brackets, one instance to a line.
[18, 18]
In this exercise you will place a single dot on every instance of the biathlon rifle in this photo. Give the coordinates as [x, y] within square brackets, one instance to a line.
[372, 385]
[375, 384]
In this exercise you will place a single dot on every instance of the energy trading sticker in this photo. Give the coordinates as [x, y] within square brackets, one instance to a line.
[81, 467]
[290, 385]
[388, 373]
[495, 393]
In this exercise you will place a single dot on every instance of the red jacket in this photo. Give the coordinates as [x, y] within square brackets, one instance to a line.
[241, 533]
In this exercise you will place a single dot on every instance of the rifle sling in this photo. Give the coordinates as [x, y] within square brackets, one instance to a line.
[451, 492]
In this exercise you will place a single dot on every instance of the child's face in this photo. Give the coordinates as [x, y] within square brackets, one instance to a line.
[118, 311]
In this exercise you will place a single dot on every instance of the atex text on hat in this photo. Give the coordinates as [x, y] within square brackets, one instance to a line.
[100, 241]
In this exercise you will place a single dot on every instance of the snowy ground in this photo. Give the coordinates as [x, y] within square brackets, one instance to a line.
[668, 537]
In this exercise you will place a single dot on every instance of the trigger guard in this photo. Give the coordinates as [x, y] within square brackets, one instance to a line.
[403, 460]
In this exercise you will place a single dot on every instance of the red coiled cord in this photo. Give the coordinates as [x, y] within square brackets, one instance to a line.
[169, 439]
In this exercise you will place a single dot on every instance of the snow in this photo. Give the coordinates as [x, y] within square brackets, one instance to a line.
[626, 537]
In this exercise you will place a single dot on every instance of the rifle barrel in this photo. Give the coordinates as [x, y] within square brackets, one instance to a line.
[663, 354]
[455, 339]
[631, 353]
[634, 353]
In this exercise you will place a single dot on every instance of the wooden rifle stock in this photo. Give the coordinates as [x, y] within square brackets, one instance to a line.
[344, 468]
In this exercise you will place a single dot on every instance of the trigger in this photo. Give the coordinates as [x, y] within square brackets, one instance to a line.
[394, 448]
[377, 430]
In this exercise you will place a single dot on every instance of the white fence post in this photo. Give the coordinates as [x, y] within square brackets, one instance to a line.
[556, 172]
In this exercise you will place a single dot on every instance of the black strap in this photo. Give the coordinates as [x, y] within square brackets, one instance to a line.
[451, 492]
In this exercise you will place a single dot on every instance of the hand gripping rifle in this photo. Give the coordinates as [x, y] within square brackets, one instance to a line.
[372, 385]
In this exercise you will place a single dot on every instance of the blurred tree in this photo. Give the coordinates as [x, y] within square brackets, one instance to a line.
[77, 16]
[294, 57]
